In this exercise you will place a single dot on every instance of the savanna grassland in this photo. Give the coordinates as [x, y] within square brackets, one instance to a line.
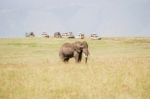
[118, 68]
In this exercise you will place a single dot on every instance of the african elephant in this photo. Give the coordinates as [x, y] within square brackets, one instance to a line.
[69, 50]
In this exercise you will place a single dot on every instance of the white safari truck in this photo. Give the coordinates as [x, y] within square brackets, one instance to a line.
[95, 36]
[80, 35]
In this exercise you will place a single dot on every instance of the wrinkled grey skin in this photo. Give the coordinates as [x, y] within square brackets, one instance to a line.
[76, 49]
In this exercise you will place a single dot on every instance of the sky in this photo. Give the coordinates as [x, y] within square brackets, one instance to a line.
[104, 17]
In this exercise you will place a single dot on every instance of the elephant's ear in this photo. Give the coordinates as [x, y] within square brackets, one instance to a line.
[78, 46]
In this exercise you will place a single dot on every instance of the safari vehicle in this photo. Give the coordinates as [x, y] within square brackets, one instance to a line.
[57, 35]
[44, 34]
[94, 36]
[31, 34]
[68, 35]
[80, 36]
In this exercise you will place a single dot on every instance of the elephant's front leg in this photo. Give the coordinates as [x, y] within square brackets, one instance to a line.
[78, 57]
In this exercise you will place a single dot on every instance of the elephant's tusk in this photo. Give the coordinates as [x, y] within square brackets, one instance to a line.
[85, 55]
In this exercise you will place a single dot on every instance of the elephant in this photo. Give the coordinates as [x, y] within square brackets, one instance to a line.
[76, 49]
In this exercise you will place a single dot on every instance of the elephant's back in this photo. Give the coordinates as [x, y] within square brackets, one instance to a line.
[67, 46]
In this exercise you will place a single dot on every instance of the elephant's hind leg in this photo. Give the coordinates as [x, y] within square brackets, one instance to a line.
[66, 59]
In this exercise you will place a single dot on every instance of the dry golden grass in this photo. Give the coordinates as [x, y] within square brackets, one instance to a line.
[118, 68]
